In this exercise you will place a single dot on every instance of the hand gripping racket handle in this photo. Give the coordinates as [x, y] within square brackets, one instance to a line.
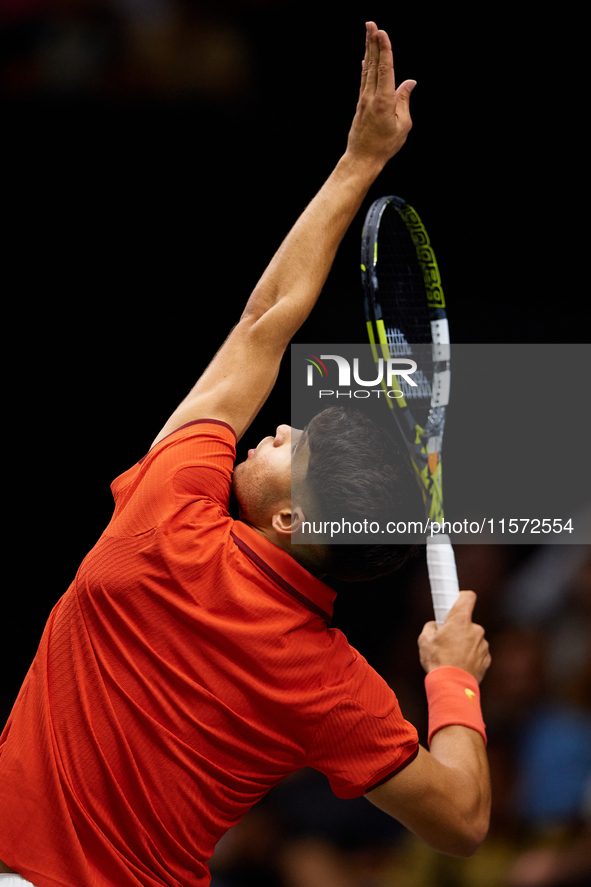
[443, 576]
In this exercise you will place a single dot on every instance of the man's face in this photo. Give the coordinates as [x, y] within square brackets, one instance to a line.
[262, 483]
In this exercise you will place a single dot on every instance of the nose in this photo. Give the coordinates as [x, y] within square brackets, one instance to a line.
[285, 434]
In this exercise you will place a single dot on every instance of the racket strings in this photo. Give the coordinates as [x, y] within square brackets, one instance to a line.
[421, 393]
[401, 282]
[405, 310]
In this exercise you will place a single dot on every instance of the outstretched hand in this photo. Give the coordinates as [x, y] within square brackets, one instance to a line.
[382, 120]
[459, 641]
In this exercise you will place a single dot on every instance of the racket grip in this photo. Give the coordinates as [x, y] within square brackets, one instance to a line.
[443, 576]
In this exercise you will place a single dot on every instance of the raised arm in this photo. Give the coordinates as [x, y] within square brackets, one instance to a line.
[443, 796]
[289, 288]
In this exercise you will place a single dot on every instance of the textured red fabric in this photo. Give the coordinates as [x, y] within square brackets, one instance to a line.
[188, 669]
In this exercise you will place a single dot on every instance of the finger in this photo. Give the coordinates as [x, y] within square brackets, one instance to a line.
[463, 607]
[371, 57]
[385, 83]
[402, 100]
[403, 92]
[364, 63]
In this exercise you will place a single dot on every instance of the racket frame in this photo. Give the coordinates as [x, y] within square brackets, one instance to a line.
[424, 441]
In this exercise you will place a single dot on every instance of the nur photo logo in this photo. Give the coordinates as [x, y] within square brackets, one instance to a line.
[314, 363]
[385, 377]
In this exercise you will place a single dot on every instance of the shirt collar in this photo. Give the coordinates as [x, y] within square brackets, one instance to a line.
[286, 572]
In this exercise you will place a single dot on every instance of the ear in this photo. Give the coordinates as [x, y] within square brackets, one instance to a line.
[288, 520]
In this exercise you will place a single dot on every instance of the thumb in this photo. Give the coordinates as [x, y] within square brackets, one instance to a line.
[404, 90]
[463, 607]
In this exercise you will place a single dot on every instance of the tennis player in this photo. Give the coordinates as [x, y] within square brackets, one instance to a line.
[190, 666]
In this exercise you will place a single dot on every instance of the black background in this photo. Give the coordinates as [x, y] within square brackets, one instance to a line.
[140, 222]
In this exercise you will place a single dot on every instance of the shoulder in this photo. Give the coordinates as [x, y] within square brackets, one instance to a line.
[200, 442]
[193, 462]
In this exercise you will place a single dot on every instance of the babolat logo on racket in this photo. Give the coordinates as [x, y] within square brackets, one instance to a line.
[389, 371]
[425, 255]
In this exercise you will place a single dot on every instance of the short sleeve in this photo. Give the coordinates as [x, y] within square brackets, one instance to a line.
[194, 462]
[363, 741]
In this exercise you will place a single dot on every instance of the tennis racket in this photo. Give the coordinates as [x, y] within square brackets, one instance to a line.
[405, 314]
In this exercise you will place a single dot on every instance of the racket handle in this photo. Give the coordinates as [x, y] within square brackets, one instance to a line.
[443, 576]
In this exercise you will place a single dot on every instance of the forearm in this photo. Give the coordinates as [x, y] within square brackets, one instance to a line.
[456, 657]
[465, 785]
[295, 276]
[443, 796]
[239, 378]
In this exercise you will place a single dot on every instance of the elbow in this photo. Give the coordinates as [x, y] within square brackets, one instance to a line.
[469, 838]
[472, 824]
[456, 836]
[468, 848]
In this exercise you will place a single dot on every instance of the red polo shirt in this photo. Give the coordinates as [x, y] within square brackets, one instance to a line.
[188, 669]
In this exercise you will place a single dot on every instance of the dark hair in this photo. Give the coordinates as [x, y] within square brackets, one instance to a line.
[357, 472]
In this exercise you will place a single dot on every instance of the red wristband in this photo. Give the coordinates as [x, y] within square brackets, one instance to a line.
[453, 696]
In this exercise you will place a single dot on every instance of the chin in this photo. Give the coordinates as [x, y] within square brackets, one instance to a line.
[238, 469]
